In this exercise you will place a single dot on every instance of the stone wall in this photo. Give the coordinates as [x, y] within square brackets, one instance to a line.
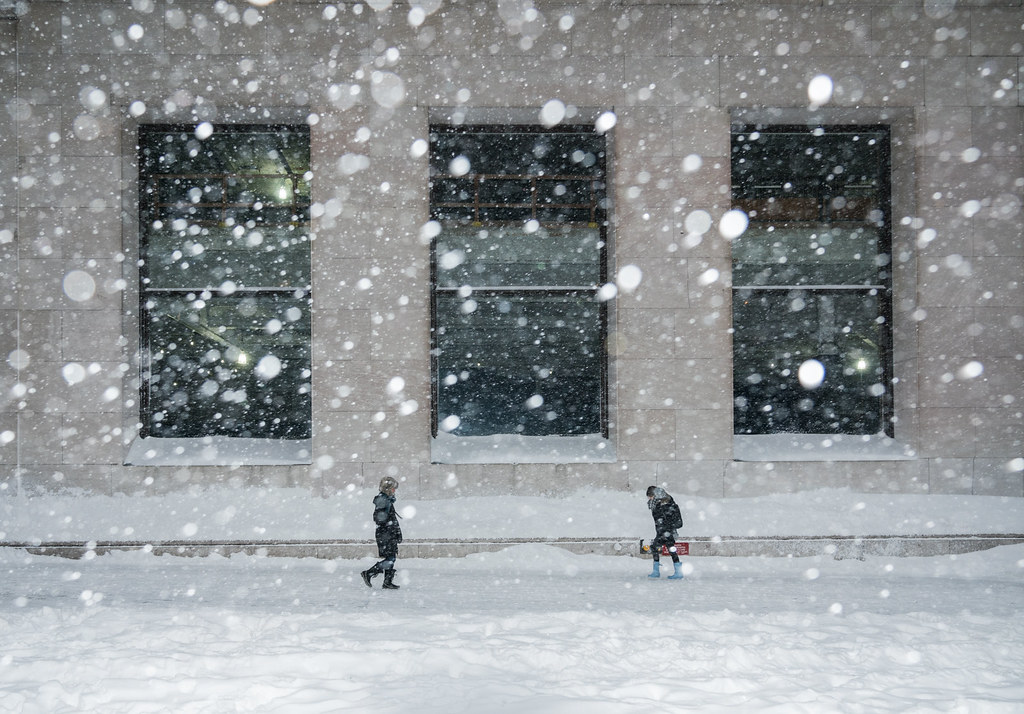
[78, 78]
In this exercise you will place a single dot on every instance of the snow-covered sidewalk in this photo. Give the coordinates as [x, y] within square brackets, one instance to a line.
[532, 629]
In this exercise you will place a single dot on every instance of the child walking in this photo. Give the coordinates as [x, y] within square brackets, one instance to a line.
[389, 535]
[667, 519]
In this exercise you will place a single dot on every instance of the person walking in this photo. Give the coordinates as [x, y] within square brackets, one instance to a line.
[667, 520]
[388, 534]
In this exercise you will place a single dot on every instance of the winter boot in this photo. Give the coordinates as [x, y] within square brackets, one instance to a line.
[677, 573]
[370, 574]
[389, 577]
[656, 573]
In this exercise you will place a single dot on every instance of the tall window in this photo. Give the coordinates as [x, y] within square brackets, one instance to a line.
[225, 281]
[812, 280]
[518, 331]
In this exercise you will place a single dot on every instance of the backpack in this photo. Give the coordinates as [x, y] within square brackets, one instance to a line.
[673, 518]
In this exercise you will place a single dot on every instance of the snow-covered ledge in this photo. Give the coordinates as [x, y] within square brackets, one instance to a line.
[819, 447]
[219, 451]
[514, 449]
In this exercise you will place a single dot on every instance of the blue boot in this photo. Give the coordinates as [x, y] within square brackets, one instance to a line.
[677, 573]
[657, 570]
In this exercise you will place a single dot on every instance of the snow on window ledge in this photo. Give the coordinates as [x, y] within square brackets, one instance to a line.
[819, 447]
[514, 449]
[219, 451]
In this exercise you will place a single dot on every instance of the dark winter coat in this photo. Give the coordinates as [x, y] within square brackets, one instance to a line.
[667, 519]
[389, 532]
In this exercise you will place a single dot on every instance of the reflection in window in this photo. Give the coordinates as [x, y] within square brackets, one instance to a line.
[812, 280]
[225, 281]
[518, 331]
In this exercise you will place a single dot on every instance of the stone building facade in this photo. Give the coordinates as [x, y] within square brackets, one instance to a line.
[672, 94]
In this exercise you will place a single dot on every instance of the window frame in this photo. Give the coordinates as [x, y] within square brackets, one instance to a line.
[154, 449]
[598, 208]
[883, 289]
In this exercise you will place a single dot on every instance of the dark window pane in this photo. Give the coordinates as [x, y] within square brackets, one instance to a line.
[506, 191]
[518, 151]
[234, 366]
[519, 364]
[549, 255]
[225, 281]
[213, 258]
[790, 253]
[565, 191]
[501, 213]
[518, 338]
[818, 204]
[452, 190]
[776, 332]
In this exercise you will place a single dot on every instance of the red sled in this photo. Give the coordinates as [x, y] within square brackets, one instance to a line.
[681, 548]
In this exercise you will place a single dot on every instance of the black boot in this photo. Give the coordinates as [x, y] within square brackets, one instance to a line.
[389, 577]
[370, 574]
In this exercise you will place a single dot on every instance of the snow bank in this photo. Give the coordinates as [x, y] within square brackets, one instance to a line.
[293, 514]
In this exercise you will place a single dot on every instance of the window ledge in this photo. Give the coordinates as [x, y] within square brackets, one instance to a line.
[512, 449]
[819, 447]
[219, 451]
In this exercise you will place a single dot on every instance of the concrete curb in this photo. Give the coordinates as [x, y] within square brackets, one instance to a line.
[839, 547]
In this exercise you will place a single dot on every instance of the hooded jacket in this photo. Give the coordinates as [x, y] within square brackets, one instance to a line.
[665, 511]
[389, 532]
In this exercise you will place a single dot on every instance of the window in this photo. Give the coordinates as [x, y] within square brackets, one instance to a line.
[518, 331]
[812, 280]
[225, 281]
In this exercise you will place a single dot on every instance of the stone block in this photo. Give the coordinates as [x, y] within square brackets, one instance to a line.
[950, 476]
[999, 432]
[198, 29]
[945, 130]
[703, 331]
[946, 82]
[701, 132]
[703, 434]
[38, 439]
[643, 333]
[993, 81]
[672, 384]
[702, 478]
[400, 333]
[94, 336]
[400, 436]
[998, 131]
[645, 132]
[457, 480]
[946, 432]
[345, 436]
[341, 335]
[91, 439]
[997, 331]
[674, 81]
[998, 477]
[623, 30]
[997, 31]
[844, 31]
[935, 36]
[647, 434]
[663, 284]
[339, 478]
[733, 31]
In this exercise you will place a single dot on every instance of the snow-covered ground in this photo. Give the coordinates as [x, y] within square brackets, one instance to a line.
[531, 629]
